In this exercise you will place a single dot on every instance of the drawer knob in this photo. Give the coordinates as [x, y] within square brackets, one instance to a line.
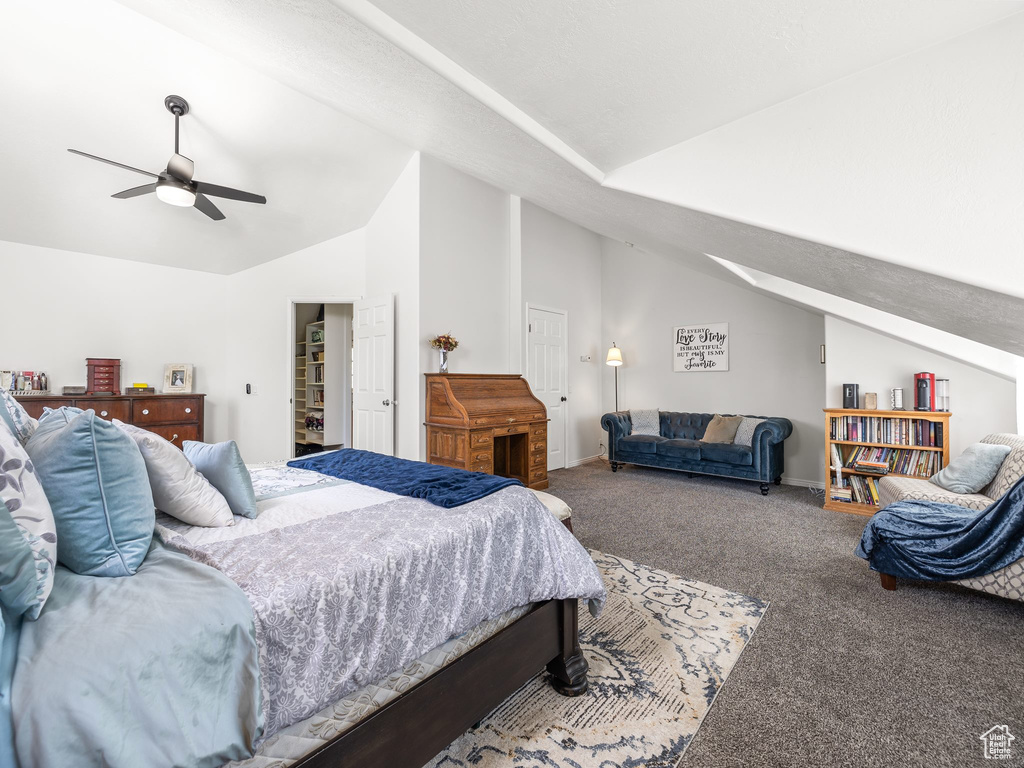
[188, 410]
[145, 411]
[103, 413]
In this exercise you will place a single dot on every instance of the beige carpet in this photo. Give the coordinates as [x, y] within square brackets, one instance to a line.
[658, 655]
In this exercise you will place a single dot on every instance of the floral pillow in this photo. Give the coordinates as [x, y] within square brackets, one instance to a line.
[16, 417]
[24, 500]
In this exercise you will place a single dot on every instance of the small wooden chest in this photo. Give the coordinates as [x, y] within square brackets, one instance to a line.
[103, 376]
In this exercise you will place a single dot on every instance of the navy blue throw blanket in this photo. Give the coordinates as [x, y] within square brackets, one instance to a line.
[942, 542]
[443, 486]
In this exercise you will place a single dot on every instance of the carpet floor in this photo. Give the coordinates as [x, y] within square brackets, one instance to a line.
[658, 655]
[839, 672]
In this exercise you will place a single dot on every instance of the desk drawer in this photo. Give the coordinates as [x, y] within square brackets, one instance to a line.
[165, 411]
[177, 433]
[538, 460]
[512, 429]
[482, 456]
[538, 446]
[480, 439]
[109, 409]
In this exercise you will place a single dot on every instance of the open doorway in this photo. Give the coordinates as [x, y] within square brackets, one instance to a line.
[322, 376]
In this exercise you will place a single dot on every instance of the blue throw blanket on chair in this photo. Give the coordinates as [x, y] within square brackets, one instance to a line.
[943, 542]
[443, 486]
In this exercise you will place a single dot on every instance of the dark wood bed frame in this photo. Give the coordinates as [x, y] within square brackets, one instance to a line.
[413, 728]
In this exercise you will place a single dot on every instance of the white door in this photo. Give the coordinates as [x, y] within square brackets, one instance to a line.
[546, 371]
[373, 409]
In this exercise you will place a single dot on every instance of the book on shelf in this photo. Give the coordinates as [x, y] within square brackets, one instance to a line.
[887, 429]
[883, 461]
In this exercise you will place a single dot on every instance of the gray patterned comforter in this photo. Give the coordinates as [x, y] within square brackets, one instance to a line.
[343, 600]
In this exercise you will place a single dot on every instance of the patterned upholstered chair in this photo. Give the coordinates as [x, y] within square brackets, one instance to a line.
[1006, 582]
[893, 489]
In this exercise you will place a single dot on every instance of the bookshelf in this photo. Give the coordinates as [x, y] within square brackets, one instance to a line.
[322, 377]
[909, 443]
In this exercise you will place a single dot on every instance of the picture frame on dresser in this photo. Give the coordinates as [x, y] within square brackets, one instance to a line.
[178, 379]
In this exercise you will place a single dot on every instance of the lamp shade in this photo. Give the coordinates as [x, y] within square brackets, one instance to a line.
[614, 356]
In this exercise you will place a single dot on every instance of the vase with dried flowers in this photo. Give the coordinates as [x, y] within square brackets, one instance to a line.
[444, 343]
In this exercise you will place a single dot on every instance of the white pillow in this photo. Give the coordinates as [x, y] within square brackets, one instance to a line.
[178, 487]
[646, 422]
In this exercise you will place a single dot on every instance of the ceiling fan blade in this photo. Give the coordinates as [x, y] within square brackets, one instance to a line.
[145, 189]
[206, 205]
[228, 192]
[112, 162]
[181, 167]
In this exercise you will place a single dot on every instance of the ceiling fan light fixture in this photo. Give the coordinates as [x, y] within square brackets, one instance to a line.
[175, 193]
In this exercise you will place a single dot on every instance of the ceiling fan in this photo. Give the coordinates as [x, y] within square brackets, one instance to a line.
[175, 185]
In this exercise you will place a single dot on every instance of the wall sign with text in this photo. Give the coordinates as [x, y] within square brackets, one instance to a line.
[701, 347]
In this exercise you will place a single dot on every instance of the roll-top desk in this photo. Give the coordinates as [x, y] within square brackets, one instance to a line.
[488, 423]
[173, 417]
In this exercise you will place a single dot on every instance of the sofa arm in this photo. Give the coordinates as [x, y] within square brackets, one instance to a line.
[766, 444]
[617, 424]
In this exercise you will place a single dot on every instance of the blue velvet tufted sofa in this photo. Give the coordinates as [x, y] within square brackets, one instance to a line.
[679, 447]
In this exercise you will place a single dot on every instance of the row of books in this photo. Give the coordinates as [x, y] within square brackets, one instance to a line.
[900, 461]
[317, 372]
[854, 488]
[884, 429]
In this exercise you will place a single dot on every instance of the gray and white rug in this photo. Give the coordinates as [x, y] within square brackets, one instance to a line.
[658, 655]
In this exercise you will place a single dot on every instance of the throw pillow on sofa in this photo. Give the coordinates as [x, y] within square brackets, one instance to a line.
[973, 469]
[646, 422]
[722, 429]
[96, 482]
[745, 433]
[178, 488]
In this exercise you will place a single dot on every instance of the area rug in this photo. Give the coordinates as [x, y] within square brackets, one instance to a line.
[659, 654]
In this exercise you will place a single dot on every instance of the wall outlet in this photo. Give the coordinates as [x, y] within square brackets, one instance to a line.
[586, 358]
[251, 389]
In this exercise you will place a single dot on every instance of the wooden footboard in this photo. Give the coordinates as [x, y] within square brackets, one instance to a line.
[410, 730]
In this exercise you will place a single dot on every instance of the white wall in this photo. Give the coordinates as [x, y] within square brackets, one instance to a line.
[393, 267]
[233, 328]
[916, 161]
[774, 367]
[982, 402]
[257, 341]
[561, 269]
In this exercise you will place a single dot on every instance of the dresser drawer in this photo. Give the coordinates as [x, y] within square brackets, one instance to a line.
[165, 411]
[109, 409]
[34, 405]
[177, 433]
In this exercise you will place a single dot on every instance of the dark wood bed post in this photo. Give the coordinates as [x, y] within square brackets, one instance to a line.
[569, 669]
[888, 582]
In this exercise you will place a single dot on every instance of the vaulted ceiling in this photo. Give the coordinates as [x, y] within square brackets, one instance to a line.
[93, 76]
[547, 99]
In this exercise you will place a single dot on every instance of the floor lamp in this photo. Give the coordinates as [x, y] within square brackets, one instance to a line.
[614, 359]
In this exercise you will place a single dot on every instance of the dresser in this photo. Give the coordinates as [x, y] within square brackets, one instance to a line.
[489, 423]
[174, 417]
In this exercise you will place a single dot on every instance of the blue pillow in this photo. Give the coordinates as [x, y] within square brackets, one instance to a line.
[222, 465]
[17, 418]
[973, 469]
[18, 584]
[96, 481]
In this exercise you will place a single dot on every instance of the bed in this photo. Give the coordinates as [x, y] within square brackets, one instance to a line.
[344, 625]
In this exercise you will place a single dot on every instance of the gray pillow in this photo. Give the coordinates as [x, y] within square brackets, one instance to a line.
[745, 433]
[973, 469]
[646, 422]
[722, 429]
